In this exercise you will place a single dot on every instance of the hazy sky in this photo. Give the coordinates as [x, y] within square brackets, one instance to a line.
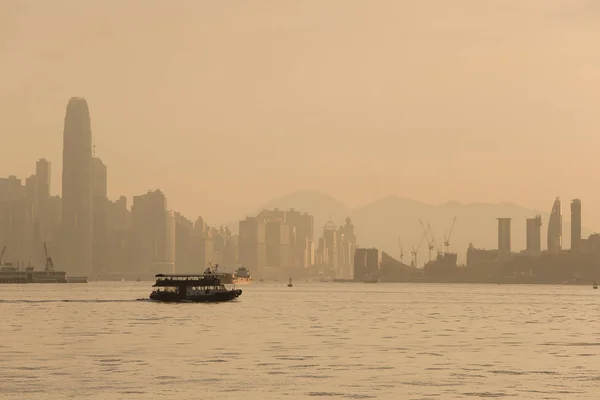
[227, 104]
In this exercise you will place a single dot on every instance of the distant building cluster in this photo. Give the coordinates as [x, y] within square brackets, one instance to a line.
[276, 243]
[579, 264]
[89, 235]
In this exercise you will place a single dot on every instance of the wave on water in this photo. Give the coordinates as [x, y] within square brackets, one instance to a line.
[74, 301]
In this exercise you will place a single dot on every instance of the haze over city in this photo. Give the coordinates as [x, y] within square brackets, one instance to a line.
[383, 199]
[227, 105]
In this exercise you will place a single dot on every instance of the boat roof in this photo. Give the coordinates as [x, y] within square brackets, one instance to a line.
[187, 275]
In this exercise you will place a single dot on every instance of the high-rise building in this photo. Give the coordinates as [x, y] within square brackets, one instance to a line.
[534, 236]
[42, 202]
[346, 247]
[77, 219]
[16, 220]
[366, 261]
[185, 246]
[575, 224]
[504, 236]
[153, 233]
[302, 229]
[42, 171]
[555, 228]
[330, 246]
[277, 240]
[252, 244]
[360, 264]
[100, 216]
[168, 263]
[373, 258]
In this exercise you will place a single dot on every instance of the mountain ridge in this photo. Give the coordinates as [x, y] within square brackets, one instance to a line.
[392, 223]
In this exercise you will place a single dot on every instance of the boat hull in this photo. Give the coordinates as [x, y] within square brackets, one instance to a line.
[242, 281]
[215, 297]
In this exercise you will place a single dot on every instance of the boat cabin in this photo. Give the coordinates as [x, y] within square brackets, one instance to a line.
[189, 285]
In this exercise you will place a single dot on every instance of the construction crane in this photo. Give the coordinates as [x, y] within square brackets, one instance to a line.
[433, 243]
[401, 250]
[430, 243]
[447, 238]
[49, 267]
[413, 253]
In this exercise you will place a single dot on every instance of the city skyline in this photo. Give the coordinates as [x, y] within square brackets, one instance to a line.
[286, 112]
[299, 199]
[93, 236]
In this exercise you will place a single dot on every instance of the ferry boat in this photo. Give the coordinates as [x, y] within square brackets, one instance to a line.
[10, 273]
[242, 276]
[201, 288]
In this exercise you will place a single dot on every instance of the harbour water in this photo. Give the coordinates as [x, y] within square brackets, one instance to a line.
[315, 340]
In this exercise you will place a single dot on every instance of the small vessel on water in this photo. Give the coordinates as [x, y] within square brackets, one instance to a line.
[10, 273]
[242, 276]
[595, 285]
[290, 283]
[201, 288]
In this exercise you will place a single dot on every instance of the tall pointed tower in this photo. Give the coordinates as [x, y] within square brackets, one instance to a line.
[555, 228]
[76, 252]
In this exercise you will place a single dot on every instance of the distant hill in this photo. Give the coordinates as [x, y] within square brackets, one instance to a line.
[320, 205]
[382, 223]
[310, 201]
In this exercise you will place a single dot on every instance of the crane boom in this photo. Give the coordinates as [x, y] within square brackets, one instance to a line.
[415, 251]
[447, 239]
[429, 243]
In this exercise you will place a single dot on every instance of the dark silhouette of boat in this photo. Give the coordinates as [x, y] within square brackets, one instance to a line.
[290, 283]
[595, 285]
[203, 288]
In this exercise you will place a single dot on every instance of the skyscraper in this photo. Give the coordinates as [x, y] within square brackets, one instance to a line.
[504, 238]
[76, 252]
[534, 242]
[42, 171]
[153, 233]
[555, 228]
[99, 216]
[575, 224]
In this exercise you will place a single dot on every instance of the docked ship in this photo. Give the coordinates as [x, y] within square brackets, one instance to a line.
[203, 288]
[10, 273]
[242, 276]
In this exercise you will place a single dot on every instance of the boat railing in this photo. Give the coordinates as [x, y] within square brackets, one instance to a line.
[186, 276]
[189, 280]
